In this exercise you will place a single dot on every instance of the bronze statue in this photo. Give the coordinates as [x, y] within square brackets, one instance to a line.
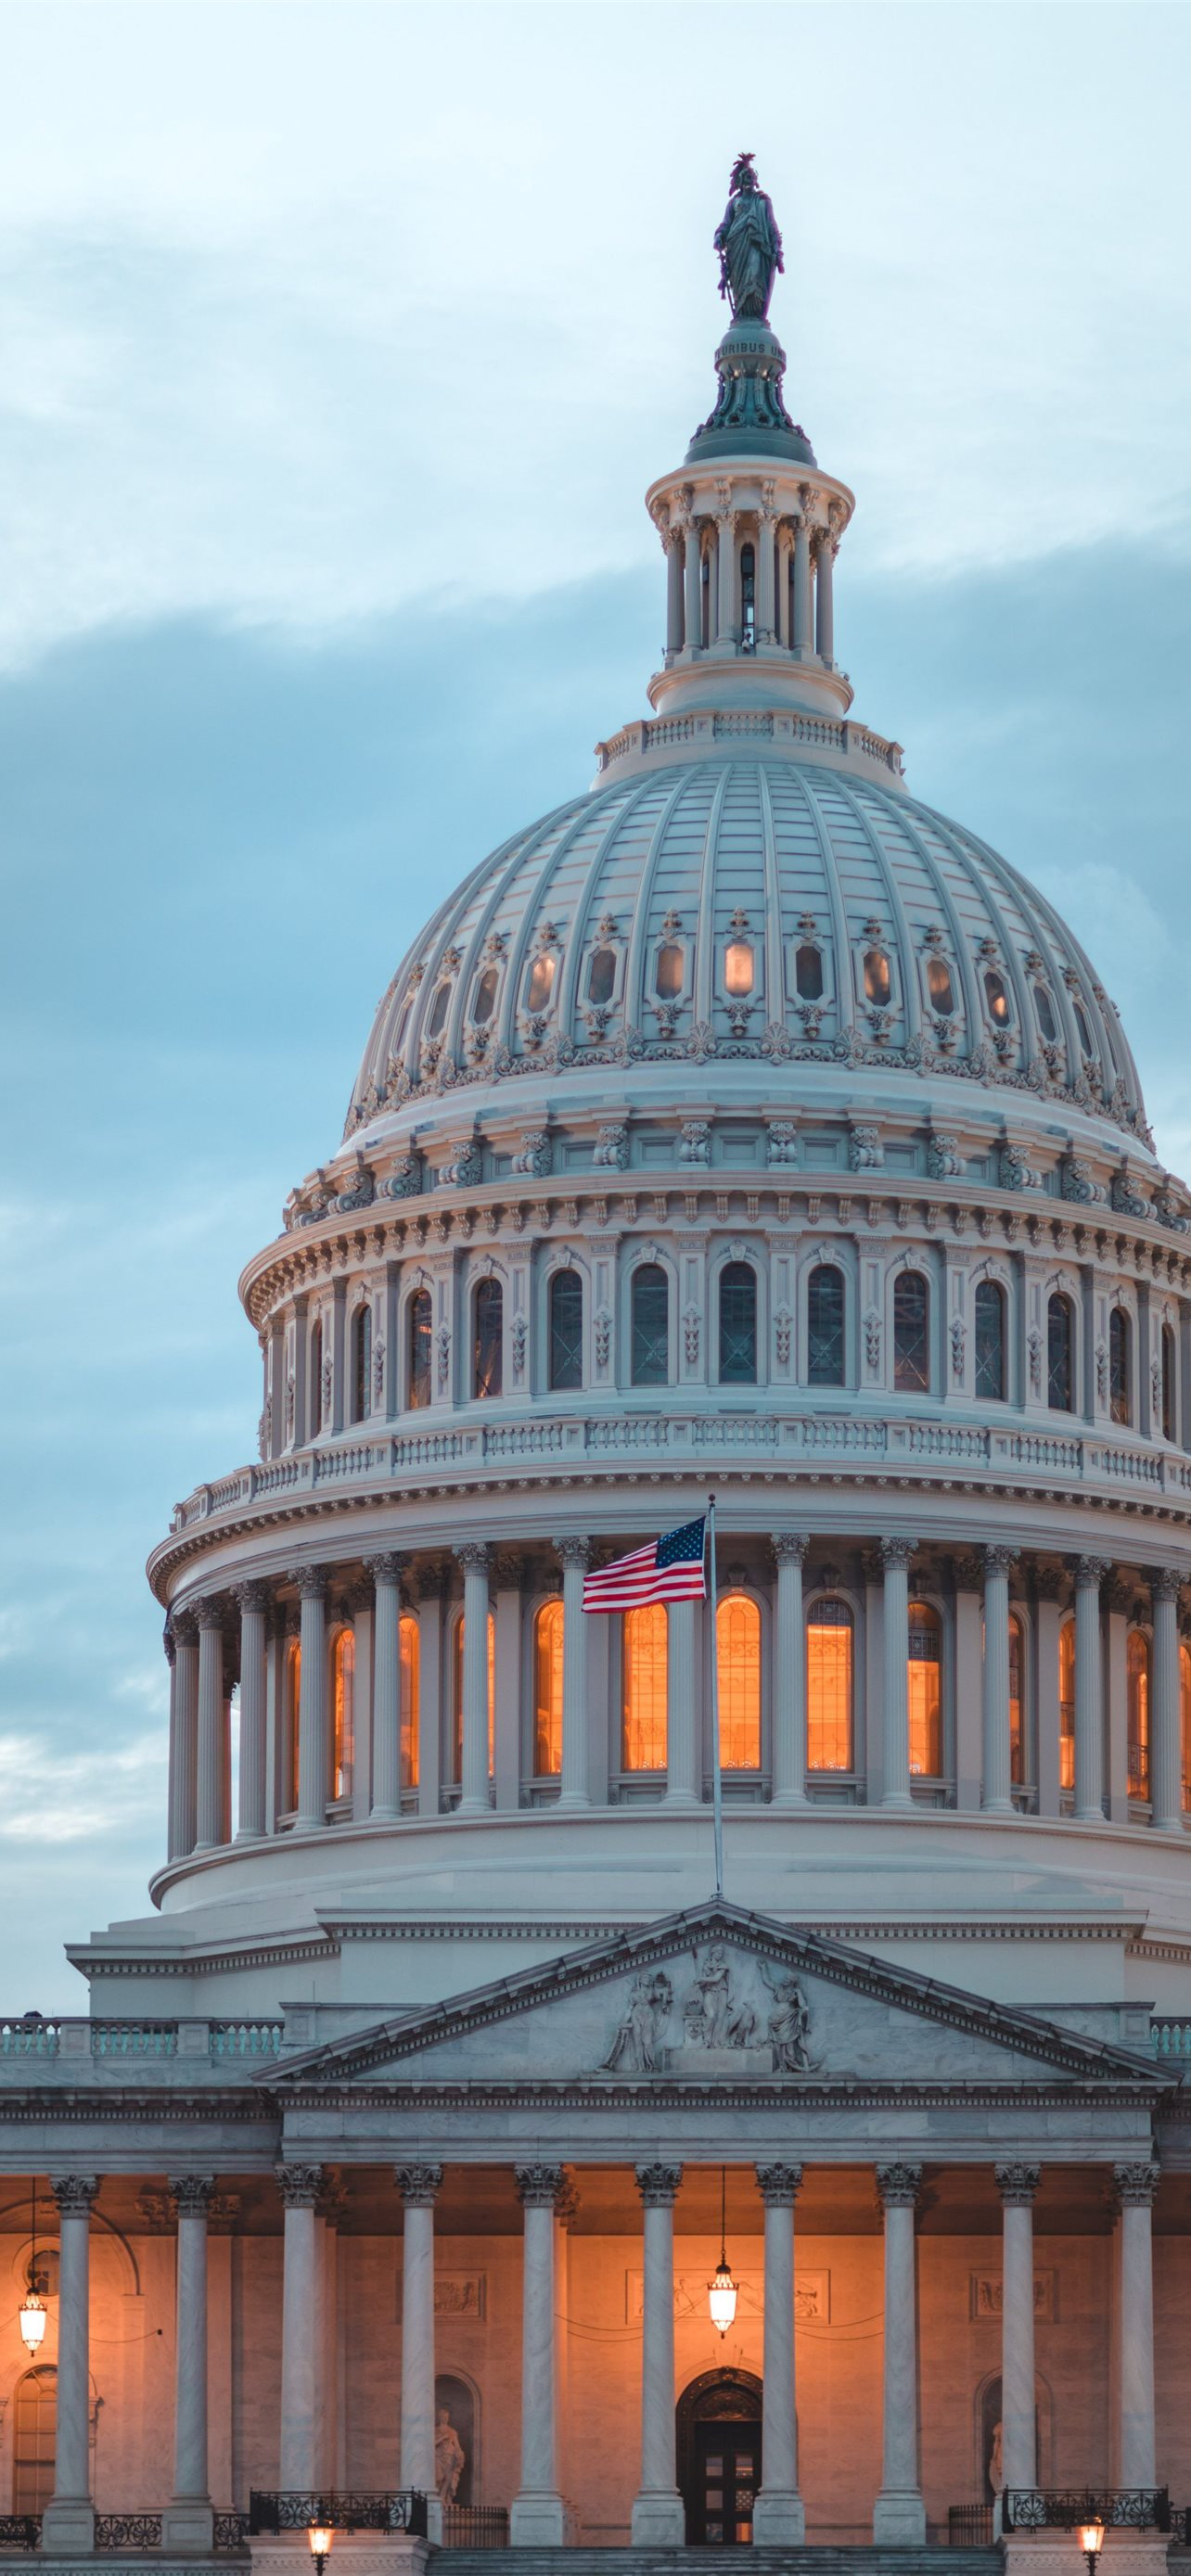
[749, 245]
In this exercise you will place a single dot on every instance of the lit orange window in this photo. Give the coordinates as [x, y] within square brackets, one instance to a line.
[1185, 1715]
[643, 1745]
[343, 1733]
[293, 1702]
[1067, 1705]
[829, 1685]
[738, 1658]
[547, 1690]
[457, 1654]
[1137, 1692]
[1017, 1703]
[924, 1682]
[33, 2440]
[409, 1647]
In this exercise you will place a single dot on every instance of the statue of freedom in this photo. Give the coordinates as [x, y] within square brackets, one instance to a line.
[749, 245]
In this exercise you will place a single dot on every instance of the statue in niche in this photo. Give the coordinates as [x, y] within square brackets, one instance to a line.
[450, 2458]
[710, 2018]
[634, 2050]
[996, 2472]
[787, 2024]
[749, 245]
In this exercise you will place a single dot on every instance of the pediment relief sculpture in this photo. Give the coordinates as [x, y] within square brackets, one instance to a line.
[736, 2017]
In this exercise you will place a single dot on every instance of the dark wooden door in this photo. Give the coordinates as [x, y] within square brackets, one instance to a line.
[727, 2474]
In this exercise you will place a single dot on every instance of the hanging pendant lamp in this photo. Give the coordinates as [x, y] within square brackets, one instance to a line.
[722, 2292]
[33, 2308]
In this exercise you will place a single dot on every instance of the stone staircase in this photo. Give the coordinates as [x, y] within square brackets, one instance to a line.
[867, 2559]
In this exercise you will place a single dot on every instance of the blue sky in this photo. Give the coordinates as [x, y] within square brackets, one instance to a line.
[338, 345]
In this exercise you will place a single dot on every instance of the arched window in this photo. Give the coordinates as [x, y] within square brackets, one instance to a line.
[1046, 1015]
[650, 1356]
[541, 981]
[1017, 1701]
[316, 1380]
[361, 1362]
[1067, 1705]
[566, 1329]
[924, 1681]
[808, 972]
[829, 1685]
[668, 973]
[33, 2439]
[911, 1356]
[420, 1332]
[457, 1698]
[738, 1662]
[1060, 1373]
[1081, 1023]
[487, 1359]
[483, 1000]
[739, 968]
[990, 1342]
[601, 976]
[748, 598]
[646, 1673]
[409, 1646]
[1118, 1364]
[876, 978]
[1168, 1383]
[738, 1324]
[343, 1732]
[938, 985]
[1137, 1705]
[547, 1690]
[1185, 1718]
[438, 1012]
[997, 998]
[292, 1711]
[825, 1325]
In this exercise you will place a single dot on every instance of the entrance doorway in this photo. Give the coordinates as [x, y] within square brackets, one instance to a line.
[719, 2457]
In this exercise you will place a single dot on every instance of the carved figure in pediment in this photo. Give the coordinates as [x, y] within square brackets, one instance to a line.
[634, 2049]
[788, 2022]
[711, 2018]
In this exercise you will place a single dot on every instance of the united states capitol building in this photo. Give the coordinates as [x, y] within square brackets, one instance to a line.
[743, 1125]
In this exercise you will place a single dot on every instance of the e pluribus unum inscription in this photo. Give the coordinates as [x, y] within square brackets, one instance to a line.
[812, 2296]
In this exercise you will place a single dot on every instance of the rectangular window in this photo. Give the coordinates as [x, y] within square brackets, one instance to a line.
[829, 1687]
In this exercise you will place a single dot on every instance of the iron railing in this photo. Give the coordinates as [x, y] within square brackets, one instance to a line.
[231, 2529]
[20, 2530]
[475, 2526]
[128, 2531]
[1065, 2508]
[969, 2526]
[400, 2509]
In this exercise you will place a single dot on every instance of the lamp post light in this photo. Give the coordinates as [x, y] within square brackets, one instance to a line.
[33, 2307]
[319, 2536]
[1091, 2541]
[721, 2290]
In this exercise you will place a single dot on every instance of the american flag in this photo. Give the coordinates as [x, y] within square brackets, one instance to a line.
[669, 1569]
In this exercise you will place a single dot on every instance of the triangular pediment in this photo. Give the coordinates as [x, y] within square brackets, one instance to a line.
[717, 1995]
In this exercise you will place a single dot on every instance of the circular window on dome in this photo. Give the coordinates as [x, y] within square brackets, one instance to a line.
[669, 973]
[938, 985]
[997, 998]
[483, 1000]
[808, 972]
[1046, 1015]
[876, 977]
[541, 982]
[601, 976]
[739, 967]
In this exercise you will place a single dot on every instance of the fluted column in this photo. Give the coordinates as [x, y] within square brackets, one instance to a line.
[789, 1674]
[299, 2186]
[419, 2186]
[899, 2515]
[311, 1581]
[779, 2513]
[725, 578]
[574, 1556]
[253, 1599]
[69, 2520]
[1166, 1749]
[386, 1687]
[674, 561]
[824, 604]
[188, 2520]
[1089, 1694]
[766, 567]
[210, 1819]
[895, 1559]
[537, 2519]
[474, 1558]
[996, 1795]
[170, 1649]
[803, 633]
[184, 1808]
[1135, 2189]
[694, 587]
[784, 544]
[658, 2518]
[684, 1766]
[1017, 2184]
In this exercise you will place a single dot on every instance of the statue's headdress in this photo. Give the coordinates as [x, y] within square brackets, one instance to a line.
[742, 166]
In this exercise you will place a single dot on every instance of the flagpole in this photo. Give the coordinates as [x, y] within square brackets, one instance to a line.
[717, 1786]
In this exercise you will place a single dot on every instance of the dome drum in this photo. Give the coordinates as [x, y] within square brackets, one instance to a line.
[750, 547]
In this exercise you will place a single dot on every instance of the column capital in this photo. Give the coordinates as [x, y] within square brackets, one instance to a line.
[1134, 2186]
[539, 2186]
[419, 2185]
[1166, 1582]
[573, 1552]
[999, 1560]
[311, 1581]
[779, 2185]
[182, 1627]
[74, 2193]
[658, 2185]
[191, 2194]
[169, 1643]
[896, 1551]
[300, 2186]
[1017, 2184]
[388, 1567]
[788, 1547]
[208, 1613]
[474, 1555]
[898, 2186]
[251, 1596]
[1090, 1572]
